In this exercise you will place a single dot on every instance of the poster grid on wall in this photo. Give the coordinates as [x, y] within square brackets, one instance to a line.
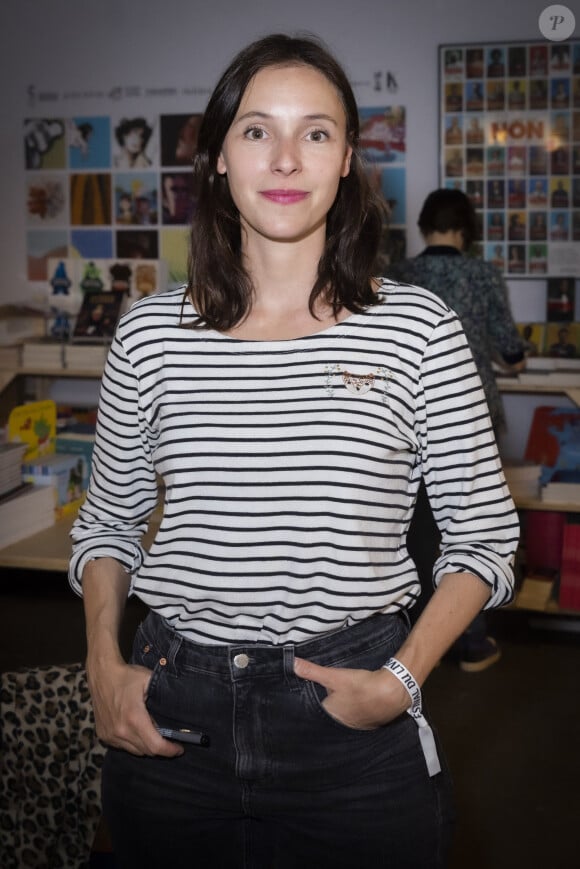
[101, 187]
[510, 139]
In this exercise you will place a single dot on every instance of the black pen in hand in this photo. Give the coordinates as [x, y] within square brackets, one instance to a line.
[183, 734]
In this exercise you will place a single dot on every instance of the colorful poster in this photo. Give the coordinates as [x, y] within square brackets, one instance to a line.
[510, 138]
[100, 187]
[383, 139]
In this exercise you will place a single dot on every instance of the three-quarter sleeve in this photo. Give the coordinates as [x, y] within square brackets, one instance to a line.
[122, 491]
[462, 470]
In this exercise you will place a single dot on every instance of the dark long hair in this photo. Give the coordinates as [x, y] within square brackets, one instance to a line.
[449, 209]
[218, 284]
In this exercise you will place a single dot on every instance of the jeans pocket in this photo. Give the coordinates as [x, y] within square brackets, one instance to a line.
[366, 655]
[146, 654]
[316, 696]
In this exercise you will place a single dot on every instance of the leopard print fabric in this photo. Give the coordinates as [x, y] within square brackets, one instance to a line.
[50, 769]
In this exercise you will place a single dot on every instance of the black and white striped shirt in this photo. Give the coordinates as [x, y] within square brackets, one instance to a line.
[291, 468]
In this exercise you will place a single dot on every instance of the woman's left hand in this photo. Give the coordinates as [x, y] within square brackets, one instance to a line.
[362, 699]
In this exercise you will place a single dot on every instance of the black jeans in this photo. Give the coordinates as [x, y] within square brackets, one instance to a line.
[282, 785]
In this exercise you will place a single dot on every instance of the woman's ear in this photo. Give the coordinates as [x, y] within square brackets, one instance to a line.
[221, 165]
[346, 164]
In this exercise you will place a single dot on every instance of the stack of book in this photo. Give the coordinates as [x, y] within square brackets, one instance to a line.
[537, 590]
[11, 466]
[10, 355]
[26, 511]
[87, 357]
[18, 322]
[545, 371]
[47, 353]
[64, 474]
[43, 353]
[563, 488]
[523, 479]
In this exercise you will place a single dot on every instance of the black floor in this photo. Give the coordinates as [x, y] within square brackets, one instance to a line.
[511, 733]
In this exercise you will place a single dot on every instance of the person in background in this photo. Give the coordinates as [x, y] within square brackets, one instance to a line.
[477, 292]
[530, 346]
[291, 403]
[563, 347]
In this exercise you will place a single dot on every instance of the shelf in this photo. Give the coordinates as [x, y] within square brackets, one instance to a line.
[47, 371]
[537, 595]
[507, 385]
[551, 506]
[47, 550]
[50, 549]
[551, 609]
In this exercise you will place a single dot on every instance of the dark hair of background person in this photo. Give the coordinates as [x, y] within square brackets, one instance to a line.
[445, 210]
[125, 126]
[218, 285]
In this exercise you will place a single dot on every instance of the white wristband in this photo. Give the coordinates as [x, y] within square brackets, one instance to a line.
[416, 711]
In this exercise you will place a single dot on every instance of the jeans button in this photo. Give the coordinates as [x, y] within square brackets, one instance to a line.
[241, 661]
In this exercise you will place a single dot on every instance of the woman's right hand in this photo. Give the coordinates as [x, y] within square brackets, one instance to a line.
[118, 689]
[118, 692]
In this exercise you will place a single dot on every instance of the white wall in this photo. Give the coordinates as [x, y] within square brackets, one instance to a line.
[58, 45]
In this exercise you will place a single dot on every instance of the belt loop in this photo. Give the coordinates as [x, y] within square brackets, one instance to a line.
[406, 618]
[289, 675]
[174, 648]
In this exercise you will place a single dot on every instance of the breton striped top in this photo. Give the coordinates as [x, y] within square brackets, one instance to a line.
[291, 468]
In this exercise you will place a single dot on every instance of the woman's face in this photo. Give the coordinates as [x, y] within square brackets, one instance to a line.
[134, 140]
[285, 153]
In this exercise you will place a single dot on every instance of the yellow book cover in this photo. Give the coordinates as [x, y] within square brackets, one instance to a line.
[34, 424]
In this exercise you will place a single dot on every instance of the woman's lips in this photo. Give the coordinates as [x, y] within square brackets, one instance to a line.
[284, 197]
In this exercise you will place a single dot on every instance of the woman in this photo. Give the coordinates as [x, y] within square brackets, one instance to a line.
[132, 135]
[476, 291]
[291, 404]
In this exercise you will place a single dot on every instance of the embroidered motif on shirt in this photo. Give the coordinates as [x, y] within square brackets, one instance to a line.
[358, 384]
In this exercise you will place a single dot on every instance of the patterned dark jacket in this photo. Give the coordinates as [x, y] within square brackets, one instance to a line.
[477, 292]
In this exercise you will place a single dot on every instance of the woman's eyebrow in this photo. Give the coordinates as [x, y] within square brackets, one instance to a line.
[316, 116]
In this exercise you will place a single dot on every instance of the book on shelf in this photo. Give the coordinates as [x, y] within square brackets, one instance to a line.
[65, 474]
[20, 321]
[76, 417]
[564, 487]
[523, 479]
[544, 371]
[34, 424]
[24, 512]
[11, 466]
[554, 441]
[43, 353]
[569, 591]
[76, 441]
[86, 357]
[543, 532]
[98, 316]
[550, 377]
[10, 355]
[536, 590]
[550, 363]
[49, 353]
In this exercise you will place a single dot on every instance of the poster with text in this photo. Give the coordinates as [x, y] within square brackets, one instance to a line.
[510, 139]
